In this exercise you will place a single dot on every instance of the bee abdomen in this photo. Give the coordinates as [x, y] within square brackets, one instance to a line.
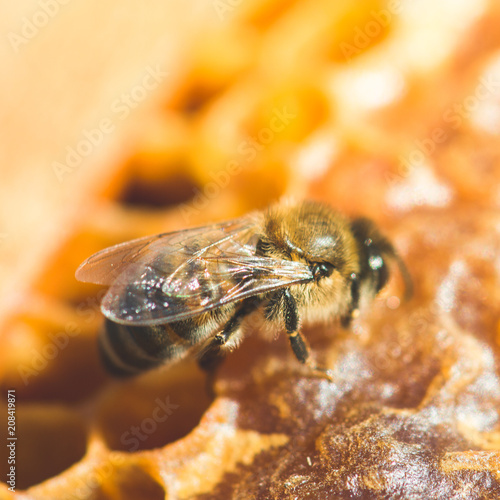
[128, 350]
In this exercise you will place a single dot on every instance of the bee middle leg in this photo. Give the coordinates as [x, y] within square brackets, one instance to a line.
[297, 341]
[214, 353]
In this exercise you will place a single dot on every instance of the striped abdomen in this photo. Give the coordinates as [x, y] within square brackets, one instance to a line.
[127, 350]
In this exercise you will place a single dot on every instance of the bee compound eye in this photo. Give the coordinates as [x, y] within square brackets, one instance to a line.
[375, 262]
[380, 271]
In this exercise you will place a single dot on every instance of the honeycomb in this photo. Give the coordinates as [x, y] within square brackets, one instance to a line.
[389, 109]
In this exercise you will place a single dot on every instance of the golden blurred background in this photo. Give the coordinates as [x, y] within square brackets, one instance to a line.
[122, 119]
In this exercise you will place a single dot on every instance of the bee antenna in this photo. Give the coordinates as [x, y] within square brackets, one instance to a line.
[406, 277]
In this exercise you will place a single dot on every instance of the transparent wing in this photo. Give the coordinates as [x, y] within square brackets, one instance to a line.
[178, 275]
[105, 267]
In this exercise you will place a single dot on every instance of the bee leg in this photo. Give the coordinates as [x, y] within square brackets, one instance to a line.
[297, 341]
[214, 353]
[209, 361]
[353, 312]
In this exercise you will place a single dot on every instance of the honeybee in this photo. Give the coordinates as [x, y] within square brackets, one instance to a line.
[191, 291]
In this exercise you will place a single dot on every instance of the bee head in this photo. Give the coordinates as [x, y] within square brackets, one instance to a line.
[374, 252]
[348, 259]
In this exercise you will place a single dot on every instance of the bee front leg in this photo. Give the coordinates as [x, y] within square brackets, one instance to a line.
[297, 341]
[353, 311]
